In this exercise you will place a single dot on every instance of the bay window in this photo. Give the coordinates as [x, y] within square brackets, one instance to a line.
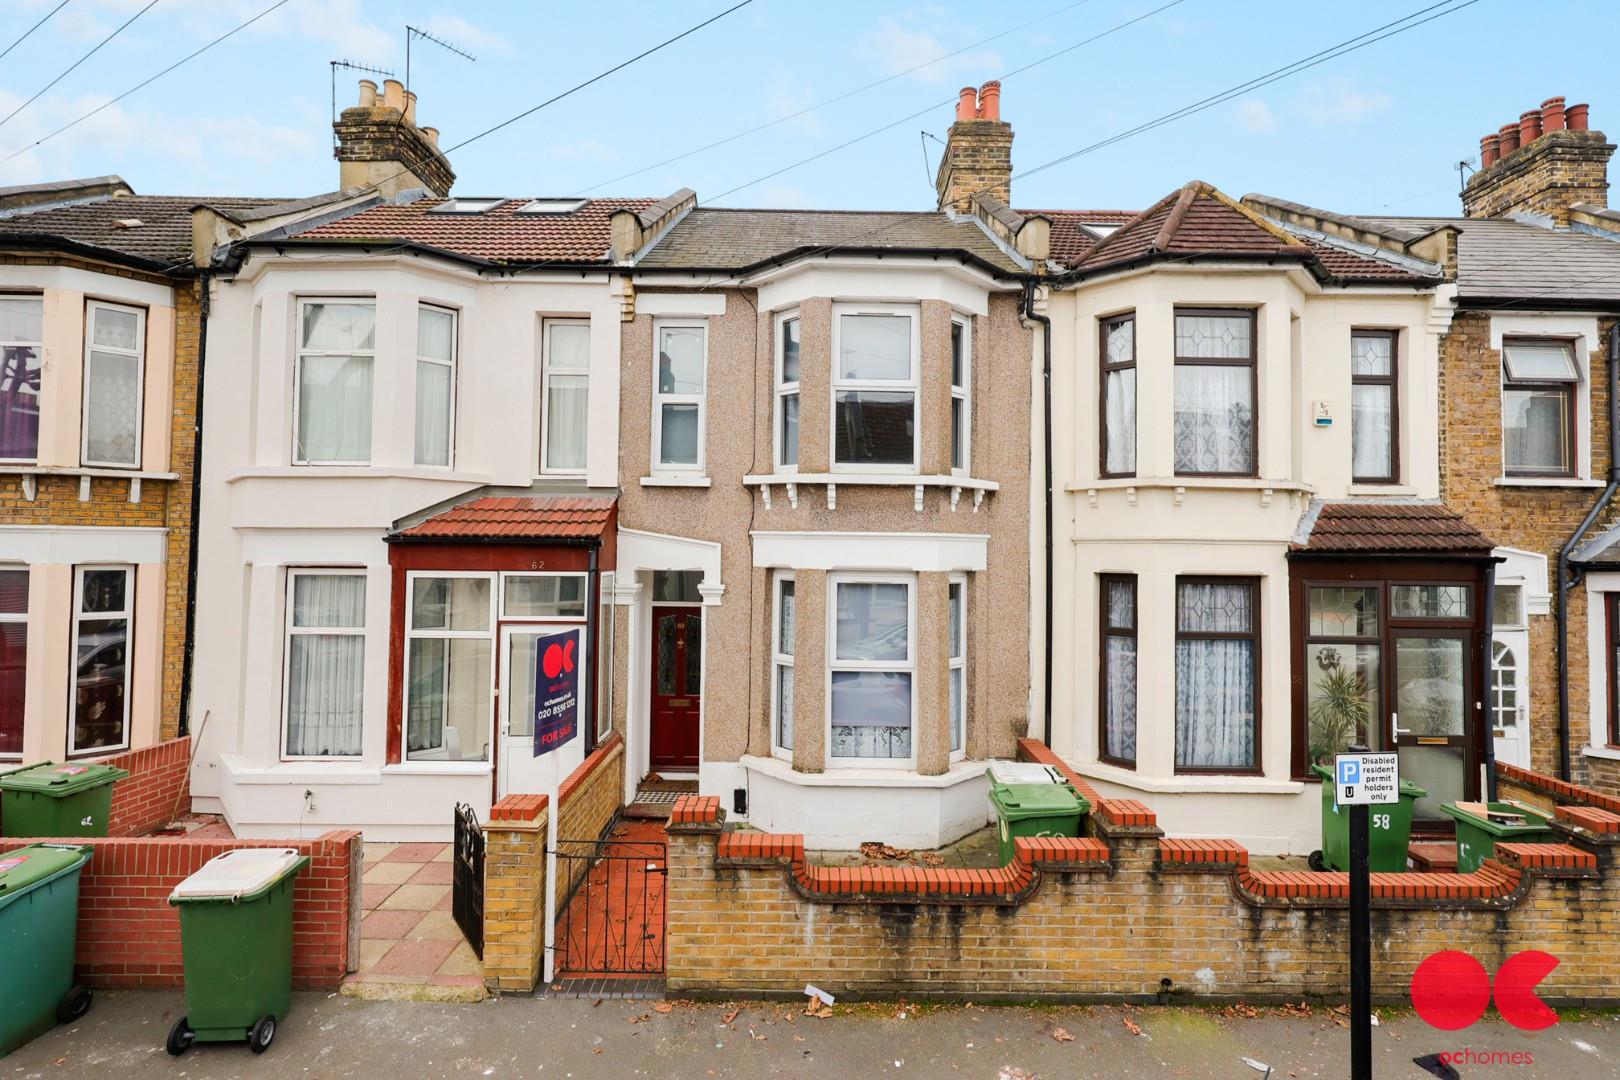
[565, 395]
[1539, 377]
[787, 392]
[22, 335]
[679, 397]
[1119, 396]
[875, 391]
[956, 665]
[1118, 669]
[333, 378]
[13, 658]
[103, 614]
[871, 664]
[435, 385]
[961, 403]
[114, 352]
[449, 668]
[1217, 667]
[782, 643]
[1215, 375]
[1373, 407]
[326, 663]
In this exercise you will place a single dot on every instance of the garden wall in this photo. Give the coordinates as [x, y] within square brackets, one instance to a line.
[150, 796]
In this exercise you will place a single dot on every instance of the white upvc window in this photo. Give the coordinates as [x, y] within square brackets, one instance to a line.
[872, 663]
[22, 336]
[961, 396]
[874, 386]
[785, 437]
[449, 666]
[565, 376]
[782, 641]
[13, 659]
[680, 377]
[114, 378]
[332, 382]
[103, 640]
[957, 665]
[436, 351]
[325, 678]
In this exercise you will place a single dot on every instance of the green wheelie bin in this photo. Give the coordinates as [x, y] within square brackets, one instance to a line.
[57, 800]
[1478, 834]
[1389, 829]
[1035, 810]
[236, 920]
[39, 926]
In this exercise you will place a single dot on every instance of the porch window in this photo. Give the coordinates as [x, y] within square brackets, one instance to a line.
[606, 634]
[22, 333]
[336, 351]
[1217, 666]
[1373, 405]
[787, 392]
[679, 397]
[114, 351]
[103, 610]
[435, 385]
[961, 401]
[1431, 601]
[782, 642]
[13, 658]
[1118, 340]
[1343, 677]
[544, 596]
[1538, 407]
[956, 665]
[1118, 668]
[565, 395]
[873, 659]
[875, 391]
[449, 658]
[326, 663]
[1214, 393]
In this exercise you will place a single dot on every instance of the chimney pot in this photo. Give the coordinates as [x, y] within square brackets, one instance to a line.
[410, 107]
[1488, 152]
[394, 94]
[368, 93]
[966, 103]
[1552, 114]
[990, 101]
[1529, 127]
[1508, 139]
[1576, 116]
[432, 136]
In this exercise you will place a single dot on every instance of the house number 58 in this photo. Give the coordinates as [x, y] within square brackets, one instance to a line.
[1381, 821]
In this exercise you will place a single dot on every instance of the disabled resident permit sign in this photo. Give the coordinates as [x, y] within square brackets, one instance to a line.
[1369, 779]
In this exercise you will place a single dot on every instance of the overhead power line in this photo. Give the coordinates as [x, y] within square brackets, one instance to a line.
[46, 18]
[41, 92]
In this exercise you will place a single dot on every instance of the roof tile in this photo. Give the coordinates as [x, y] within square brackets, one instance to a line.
[1390, 528]
[163, 237]
[518, 518]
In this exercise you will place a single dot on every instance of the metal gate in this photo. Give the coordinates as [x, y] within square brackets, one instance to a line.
[467, 878]
[612, 922]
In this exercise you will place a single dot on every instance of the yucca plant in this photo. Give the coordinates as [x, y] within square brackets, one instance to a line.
[1339, 708]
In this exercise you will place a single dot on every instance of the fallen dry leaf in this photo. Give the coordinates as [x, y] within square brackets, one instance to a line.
[730, 1016]
[663, 1007]
[1061, 1035]
[1131, 1025]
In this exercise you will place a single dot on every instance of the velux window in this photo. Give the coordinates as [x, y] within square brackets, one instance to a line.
[1538, 407]
[1214, 396]
[875, 391]
[336, 352]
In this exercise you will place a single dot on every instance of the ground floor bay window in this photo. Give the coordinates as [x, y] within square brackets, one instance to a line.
[872, 663]
[103, 616]
[326, 662]
[13, 659]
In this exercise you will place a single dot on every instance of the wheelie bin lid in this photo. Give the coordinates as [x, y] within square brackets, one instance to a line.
[1023, 772]
[1017, 801]
[242, 874]
[23, 868]
[60, 781]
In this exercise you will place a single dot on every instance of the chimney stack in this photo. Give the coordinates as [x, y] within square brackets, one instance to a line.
[978, 151]
[1543, 164]
[380, 146]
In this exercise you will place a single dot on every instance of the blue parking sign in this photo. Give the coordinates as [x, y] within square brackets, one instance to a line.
[1349, 771]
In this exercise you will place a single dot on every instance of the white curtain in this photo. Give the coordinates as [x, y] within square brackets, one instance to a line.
[1119, 406]
[326, 672]
[1371, 442]
[678, 433]
[334, 408]
[784, 706]
[1120, 720]
[1214, 419]
[1215, 716]
[566, 422]
[1533, 429]
[433, 383]
[111, 402]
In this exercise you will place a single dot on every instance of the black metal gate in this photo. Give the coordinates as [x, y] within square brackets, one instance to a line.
[612, 922]
[467, 878]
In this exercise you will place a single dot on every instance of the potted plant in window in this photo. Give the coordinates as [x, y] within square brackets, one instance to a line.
[1339, 708]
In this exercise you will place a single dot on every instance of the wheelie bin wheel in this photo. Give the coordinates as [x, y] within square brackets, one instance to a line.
[1316, 862]
[262, 1035]
[73, 1005]
[181, 1037]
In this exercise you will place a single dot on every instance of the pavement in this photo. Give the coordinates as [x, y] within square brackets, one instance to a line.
[556, 1039]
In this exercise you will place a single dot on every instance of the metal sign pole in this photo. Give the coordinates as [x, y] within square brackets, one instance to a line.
[1360, 942]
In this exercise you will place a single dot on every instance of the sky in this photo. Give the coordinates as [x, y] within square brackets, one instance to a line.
[1378, 130]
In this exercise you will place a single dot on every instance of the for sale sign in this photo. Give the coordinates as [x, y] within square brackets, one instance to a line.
[556, 690]
[1369, 779]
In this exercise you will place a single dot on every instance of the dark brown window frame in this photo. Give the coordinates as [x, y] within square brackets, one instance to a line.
[1571, 410]
[1392, 380]
[1252, 363]
[1253, 636]
[1104, 632]
[1104, 369]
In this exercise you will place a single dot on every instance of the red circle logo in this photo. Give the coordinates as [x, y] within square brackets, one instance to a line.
[552, 662]
[1451, 990]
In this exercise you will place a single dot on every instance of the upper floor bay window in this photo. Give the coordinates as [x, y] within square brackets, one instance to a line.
[1373, 407]
[1215, 391]
[875, 390]
[114, 354]
[435, 384]
[103, 614]
[1539, 377]
[22, 334]
[1118, 428]
[871, 663]
[1217, 674]
[961, 403]
[679, 398]
[449, 659]
[13, 658]
[326, 663]
[565, 395]
[782, 644]
[787, 392]
[333, 378]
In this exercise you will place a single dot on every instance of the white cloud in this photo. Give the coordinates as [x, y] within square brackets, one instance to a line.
[1340, 102]
[1254, 116]
[898, 49]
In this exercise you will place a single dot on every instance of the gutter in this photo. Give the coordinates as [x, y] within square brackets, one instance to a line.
[1046, 456]
[51, 242]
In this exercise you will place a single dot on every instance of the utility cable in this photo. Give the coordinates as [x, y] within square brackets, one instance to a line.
[79, 61]
[36, 26]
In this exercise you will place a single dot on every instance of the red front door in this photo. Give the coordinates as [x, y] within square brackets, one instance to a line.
[677, 682]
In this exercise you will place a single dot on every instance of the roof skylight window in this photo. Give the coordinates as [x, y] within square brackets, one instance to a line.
[551, 206]
[466, 206]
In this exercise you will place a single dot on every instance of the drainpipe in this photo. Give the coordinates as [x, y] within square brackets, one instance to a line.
[195, 513]
[1046, 455]
[592, 609]
[1568, 578]
[1488, 667]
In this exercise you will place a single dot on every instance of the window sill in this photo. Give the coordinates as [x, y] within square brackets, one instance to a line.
[1403, 490]
[438, 768]
[1178, 486]
[357, 472]
[791, 482]
[1546, 482]
[676, 481]
[1188, 783]
[311, 771]
[1606, 753]
[848, 776]
[85, 473]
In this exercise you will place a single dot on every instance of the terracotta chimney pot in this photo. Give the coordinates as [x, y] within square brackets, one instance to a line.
[1529, 127]
[1576, 117]
[990, 101]
[432, 136]
[1508, 139]
[1488, 152]
[967, 103]
[410, 106]
[368, 93]
[394, 94]
[1552, 114]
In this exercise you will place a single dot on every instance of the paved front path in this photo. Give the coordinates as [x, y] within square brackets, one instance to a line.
[410, 945]
[576, 1040]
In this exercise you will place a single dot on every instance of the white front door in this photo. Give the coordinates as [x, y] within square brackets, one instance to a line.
[520, 770]
[1510, 696]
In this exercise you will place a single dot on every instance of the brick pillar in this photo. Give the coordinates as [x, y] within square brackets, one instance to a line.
[695, 825]
[515, 892]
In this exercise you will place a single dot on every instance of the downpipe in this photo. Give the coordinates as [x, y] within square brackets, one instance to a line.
[1030, 313]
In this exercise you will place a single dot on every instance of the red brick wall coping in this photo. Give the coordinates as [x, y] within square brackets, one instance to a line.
[1492, 881]
[526, 808]
[695, 810]
[1203, 853]
[1121, 812]
[518, 808]
[1562, 790]
[1590, 818]
[591, 763]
